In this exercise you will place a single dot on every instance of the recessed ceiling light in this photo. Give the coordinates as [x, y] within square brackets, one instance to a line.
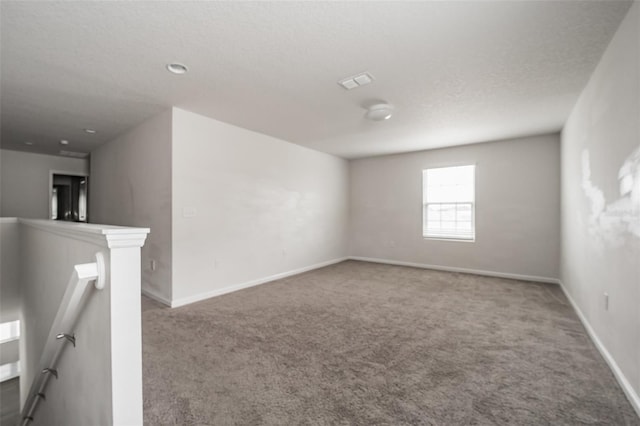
[90, 131]
[177, 68]
[379, 112]
[64, 142]
[28, 143]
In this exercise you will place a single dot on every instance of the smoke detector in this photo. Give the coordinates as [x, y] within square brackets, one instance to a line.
[177, 68]
[379, 112]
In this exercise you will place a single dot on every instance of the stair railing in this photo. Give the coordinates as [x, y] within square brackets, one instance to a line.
[61, 331]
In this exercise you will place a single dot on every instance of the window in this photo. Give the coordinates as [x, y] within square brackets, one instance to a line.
[449, 203]
[9, 331]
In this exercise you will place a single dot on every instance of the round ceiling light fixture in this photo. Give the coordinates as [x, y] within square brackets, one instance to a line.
[177, 68]
[28, 143]
[64, 142]
[379, 112]
[90, 131]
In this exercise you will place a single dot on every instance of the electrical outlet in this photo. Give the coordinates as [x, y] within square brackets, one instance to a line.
[153, 264]
[606, 301]
[189, 212]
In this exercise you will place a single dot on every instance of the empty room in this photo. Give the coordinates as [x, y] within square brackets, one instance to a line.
[320, 213]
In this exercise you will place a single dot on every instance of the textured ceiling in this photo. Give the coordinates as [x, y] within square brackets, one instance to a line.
[457, 72]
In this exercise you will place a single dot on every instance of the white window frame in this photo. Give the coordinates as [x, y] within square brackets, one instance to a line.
[442, 236]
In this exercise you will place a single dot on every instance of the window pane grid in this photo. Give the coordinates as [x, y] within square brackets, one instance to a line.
[448, 201]
[449, 220]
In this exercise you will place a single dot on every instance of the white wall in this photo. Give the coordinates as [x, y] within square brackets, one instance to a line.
[130, 185]
[9, 270]
[248, 206]
[24, 182]
[601, 223]
[517, 208]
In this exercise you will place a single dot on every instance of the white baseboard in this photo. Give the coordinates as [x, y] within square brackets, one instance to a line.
[456, 269]
[152, 295]
[631, 394]
[225, 290]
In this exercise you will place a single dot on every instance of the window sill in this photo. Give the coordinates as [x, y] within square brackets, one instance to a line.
[458, 240]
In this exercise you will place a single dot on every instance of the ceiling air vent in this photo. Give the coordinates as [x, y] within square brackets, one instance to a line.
[356, 81]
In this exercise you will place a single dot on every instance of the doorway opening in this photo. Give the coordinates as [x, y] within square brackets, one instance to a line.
[69, 195]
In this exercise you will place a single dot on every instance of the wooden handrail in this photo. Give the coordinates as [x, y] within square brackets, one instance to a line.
[61, 331]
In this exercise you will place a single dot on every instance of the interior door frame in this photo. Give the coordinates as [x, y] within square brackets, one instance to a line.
[50, 189]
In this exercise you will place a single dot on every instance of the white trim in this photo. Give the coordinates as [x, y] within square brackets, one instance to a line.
[456, 269]
[105, 235]
[155, 296]
[225, 290]
[624, 383]
[452, 239]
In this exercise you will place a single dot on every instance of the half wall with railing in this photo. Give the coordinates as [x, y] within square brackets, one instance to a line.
[80, 315]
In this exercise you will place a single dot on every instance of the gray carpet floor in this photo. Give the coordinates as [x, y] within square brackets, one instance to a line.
[365, 344]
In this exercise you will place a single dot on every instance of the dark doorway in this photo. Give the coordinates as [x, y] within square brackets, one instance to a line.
[69, 198]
